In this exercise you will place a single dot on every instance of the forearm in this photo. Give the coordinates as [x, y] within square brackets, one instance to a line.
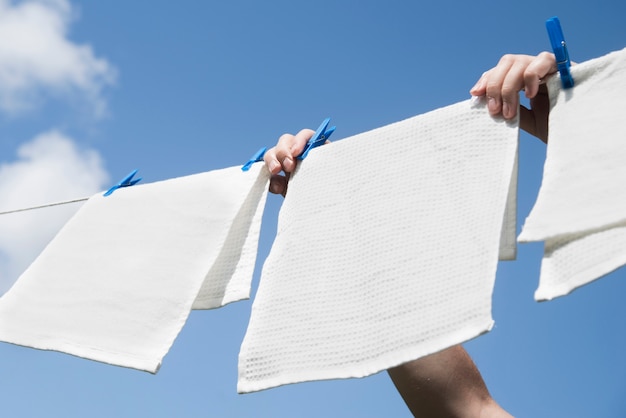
[445, 384]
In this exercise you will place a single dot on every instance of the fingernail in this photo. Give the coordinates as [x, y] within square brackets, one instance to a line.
[491, 104]
[273, 165]
[288, 164]
[479, 84]
[476, 87]
[506, 110]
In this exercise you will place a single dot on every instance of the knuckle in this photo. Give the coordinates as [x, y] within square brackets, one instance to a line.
[545, 55]
[270, 155]
[531, 74]
[493, 88]
[285, 138]
[284, 144]
[509, 90]
[507, 59]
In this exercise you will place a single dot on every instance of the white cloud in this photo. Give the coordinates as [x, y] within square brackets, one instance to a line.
[36, 57]
[50, 168]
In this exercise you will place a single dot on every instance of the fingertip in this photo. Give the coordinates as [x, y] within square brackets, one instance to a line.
[273, 166]
[271, 162]
[493, 105]
[288, 164]
[506, 110]
[479, 87]
[531, 84]
[509, 106]
[477, 90]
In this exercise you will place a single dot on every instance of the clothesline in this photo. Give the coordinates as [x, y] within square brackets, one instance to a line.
[47, 205]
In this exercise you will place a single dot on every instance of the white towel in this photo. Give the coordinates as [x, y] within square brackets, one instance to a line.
[580, 211]
[386, 250]
[117, 283]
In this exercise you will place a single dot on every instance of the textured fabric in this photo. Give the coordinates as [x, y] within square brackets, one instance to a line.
[118, 282]
[508, 242]
[580, 211]
[386, 249]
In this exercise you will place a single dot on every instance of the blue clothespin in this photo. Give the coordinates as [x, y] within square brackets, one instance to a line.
[560, 51]
[125, 182]
[258, 156]
[320, 137]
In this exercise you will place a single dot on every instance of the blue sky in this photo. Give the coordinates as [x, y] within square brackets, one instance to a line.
[91, 90]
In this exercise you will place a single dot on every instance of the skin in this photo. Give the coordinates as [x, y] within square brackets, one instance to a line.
[443, 385]
[447, 383]
[514, 73]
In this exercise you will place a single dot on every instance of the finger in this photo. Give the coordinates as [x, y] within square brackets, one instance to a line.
[511, 86]
[495, 82]
[480, 88]
[271, 161]
[290, 146]
[284, 152]
[300, 141]
[276, 157]
[542, 66]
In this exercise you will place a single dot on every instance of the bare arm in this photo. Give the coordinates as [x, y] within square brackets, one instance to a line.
[445, 384]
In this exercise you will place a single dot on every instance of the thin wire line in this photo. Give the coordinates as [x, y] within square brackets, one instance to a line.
[82, 199]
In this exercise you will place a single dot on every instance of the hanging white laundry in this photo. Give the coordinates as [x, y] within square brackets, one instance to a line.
[580, 211]
[117, 283]
[386, 249]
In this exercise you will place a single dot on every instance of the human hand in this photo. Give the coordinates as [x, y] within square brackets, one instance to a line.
[282, 158]
[514, 73]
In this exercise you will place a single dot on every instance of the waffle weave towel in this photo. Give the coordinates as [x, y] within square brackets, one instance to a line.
[117, 283]
[386, 249]
[580, 211]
